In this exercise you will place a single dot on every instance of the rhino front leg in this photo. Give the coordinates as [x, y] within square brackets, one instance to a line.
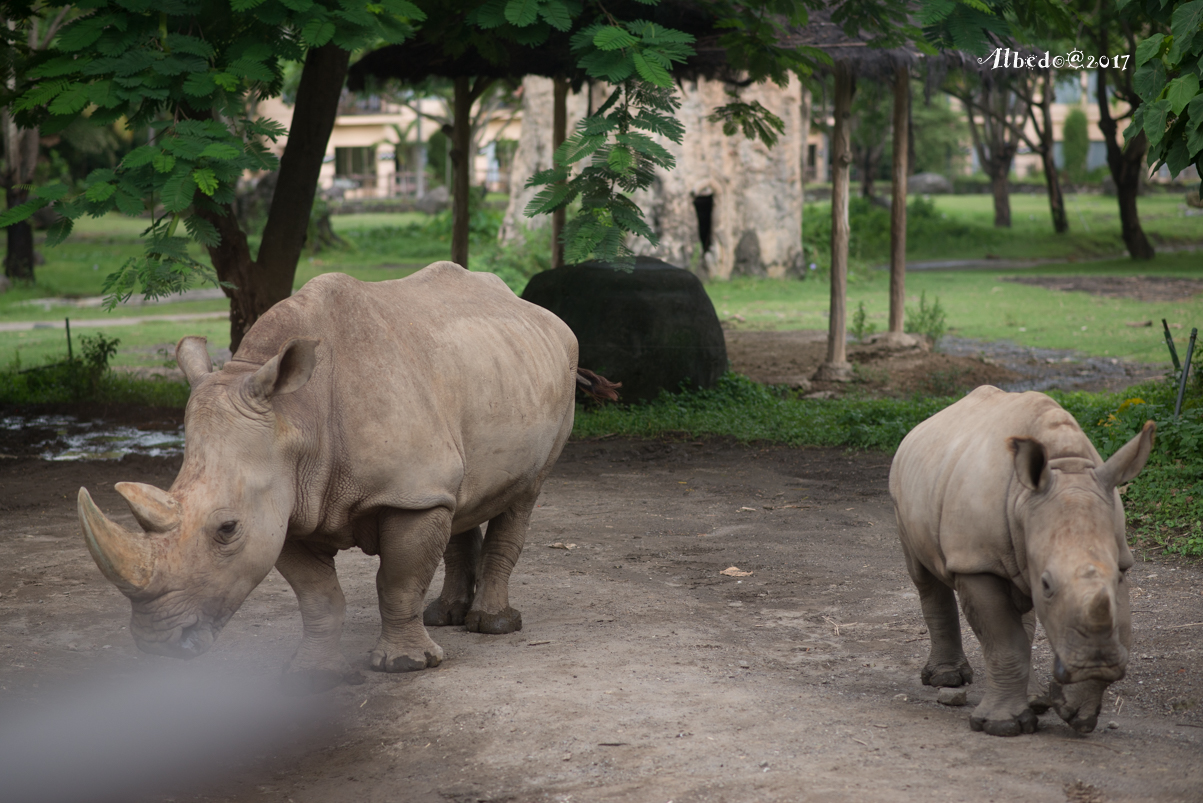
[946, 664]
[462, 564]
[999, 625]
[491, 611]
[411, 545]
[317, 664]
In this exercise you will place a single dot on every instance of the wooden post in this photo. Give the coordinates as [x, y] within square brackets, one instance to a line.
[559, 132]
[461, 159]
[837, 368]
[902, 113]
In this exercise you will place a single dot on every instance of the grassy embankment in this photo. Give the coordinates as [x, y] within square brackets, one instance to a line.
[1166, 502]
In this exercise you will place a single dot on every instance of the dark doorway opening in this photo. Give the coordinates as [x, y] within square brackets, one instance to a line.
[704, 206]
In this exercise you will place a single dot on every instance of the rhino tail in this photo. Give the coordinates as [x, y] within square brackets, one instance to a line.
[600, 388]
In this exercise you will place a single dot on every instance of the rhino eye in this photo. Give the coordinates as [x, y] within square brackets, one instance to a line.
[225, 532]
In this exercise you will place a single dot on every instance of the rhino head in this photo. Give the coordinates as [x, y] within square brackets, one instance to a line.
[209, 540]
[1078, 554]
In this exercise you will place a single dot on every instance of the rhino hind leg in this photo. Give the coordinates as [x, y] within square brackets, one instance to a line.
[1007, 648]
[491, 611]
[946, 664]
[411, 545]
[318, 664]
[462, 562]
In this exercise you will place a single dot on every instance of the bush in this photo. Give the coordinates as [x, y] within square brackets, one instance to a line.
[927, 321]
[1075, 145]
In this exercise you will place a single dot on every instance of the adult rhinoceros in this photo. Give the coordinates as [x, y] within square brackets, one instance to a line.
[1002, 497]
[396, 417]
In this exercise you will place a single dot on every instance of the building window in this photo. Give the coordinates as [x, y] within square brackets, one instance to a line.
[355, 163]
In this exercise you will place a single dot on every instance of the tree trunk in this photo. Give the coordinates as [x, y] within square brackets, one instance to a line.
[1126, 165]
[21, 158]
[836, 368]
[559, 132]
[18, 261]
[261, 283]
[1056, 199]
[461, 160]
[999, 181]
[902, 113]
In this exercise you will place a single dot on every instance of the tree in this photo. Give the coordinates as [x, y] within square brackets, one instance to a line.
[35, 32]
[995, 113]
[1169, 113]
[189, 69]
[1036, 90]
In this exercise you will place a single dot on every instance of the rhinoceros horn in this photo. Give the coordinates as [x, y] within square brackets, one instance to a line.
[125, 558]
[1098, 612]
[157, 511]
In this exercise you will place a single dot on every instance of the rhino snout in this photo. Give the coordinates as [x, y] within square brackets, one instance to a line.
[1107, 665]
[187, 640]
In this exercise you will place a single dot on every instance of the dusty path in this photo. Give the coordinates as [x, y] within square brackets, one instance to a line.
[642, 674]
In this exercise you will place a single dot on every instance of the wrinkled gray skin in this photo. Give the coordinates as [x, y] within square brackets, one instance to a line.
[397, 417]
[1002, 498]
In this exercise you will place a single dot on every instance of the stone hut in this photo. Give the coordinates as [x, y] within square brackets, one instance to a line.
[731, 207]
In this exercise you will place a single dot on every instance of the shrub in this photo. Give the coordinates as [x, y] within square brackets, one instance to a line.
[927, 321]
[1075, 145]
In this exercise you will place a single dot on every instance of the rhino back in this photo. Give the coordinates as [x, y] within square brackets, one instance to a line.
[442, 388]
[953, 479]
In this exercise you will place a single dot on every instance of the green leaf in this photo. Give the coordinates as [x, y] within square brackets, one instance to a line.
[142, 155]
[1149, 80]
[199, 84]
[620, 160]
[128, 204]
[80, 34]
[1181, 91]
[205, 180]
[612, 37]
[163, 162]
[220, 150]
[1177, 157]
[100, 192]
[556, 14]
[1155, 117]
[521, 12]
[21, 212]
[72, 101]
[491, 15]
[52, 192]
[1194, 130]
[1149, 48]
[178, 192]
[318, 32]
[1186, 19]
[651, 70]
[202, 231]
[59, 230]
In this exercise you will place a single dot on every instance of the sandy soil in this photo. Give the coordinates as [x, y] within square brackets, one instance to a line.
[643, 673]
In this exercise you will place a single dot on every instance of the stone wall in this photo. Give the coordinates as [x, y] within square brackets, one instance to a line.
[750, 195]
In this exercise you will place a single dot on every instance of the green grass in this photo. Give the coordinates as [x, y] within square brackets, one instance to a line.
[950, 227]
[1164, 503]
[980, 304]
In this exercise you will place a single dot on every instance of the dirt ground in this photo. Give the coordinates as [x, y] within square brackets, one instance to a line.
[642, 674]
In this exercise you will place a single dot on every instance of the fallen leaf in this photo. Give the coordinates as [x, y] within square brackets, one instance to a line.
[735, 571]
[561, 545]
[750, 509]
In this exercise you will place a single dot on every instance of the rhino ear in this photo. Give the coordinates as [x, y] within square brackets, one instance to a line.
[1031, 463]
[1127, 462]
[287, 372]
[192, 356]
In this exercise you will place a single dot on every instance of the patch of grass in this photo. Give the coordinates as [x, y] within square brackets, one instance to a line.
[1164, 503]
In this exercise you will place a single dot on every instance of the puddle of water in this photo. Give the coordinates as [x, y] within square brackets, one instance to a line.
[68, 438]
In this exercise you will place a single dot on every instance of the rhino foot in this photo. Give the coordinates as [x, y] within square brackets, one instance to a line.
[385, 659]
[1078, 703]
[947, 675]
[1025, 722]
[440, 613]
[316, 681]
[508, 621]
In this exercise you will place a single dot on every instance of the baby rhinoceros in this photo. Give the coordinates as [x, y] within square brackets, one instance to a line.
[396, 417]
[1002, 498]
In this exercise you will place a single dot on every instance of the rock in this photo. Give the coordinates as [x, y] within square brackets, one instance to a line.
[952, 697]
[897, 342]
[928, 184]
[1112, 725]
[651, 328]
[434, 201]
